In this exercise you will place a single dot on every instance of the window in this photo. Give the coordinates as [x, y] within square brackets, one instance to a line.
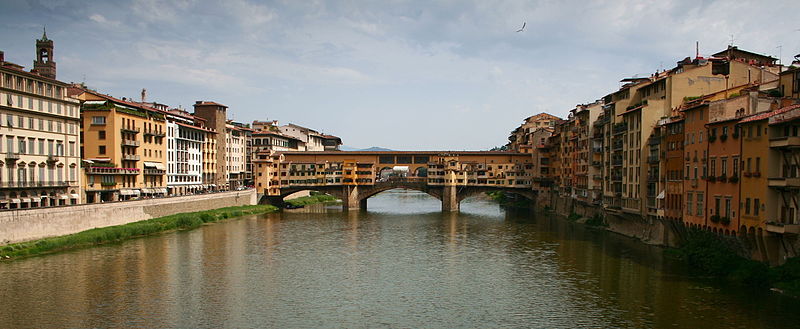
[758, 164]
[98, 120]
[101, 134]
[756, 206]
[716, 206]
[724, 166]
[101, 149]
[735, 167]
[700, 204]
[689, 203]
[728, 208]
[713, 171]
[747, 206]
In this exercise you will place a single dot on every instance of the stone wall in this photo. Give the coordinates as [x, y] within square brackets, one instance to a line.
[32, 224]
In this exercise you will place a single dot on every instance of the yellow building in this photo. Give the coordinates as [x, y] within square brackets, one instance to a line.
[39, 128]
[123, 147]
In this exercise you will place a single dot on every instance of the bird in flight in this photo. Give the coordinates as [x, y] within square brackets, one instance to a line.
[523, 27]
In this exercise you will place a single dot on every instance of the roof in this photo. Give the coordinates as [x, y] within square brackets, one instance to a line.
[19, 69]
[124, 102]
[767, 115]
[736, 49]
[195, 127]
[201, 103]
[274, 133]
[786, 114]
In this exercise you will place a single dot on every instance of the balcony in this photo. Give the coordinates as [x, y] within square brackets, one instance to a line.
[653, 159]
[111, 171]
[616, 178]
[131, 143]
[12, 156]
[785, 142]
[133, 130]
[617, 146]
[784, 182]
[655, 140]
[130, 157]
[781, 228]
[617, 162]
[155, 172]
[107, 184]
[154, 133]
[24, 184]
[597, 177]
[597, 149]
[620, 128]
[51, 159]
[597, 163]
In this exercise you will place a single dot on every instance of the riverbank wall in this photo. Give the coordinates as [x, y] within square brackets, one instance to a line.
[772, 249]
[31, 224]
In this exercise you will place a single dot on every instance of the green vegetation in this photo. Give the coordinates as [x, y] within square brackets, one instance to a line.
[596, 220]
[185, 221]
[707, 254]
[573, 217]
[315, 197]
[504, 200]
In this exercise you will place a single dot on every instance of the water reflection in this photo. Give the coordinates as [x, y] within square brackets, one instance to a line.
[402, 263]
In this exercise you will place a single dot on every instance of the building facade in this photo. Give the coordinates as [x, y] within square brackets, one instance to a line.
[40, 134]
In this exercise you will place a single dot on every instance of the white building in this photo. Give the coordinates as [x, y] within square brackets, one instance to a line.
[184, 153]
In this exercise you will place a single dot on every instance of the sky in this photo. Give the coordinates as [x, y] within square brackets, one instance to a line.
[405, 75]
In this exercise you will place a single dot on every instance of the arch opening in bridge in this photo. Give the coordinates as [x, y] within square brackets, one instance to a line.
[422, 200]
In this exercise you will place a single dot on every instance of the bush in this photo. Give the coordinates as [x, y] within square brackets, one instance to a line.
[188, 221]
[573, 217]
[596, 220]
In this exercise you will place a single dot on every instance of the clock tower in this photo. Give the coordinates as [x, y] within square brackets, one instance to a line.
[44, 63]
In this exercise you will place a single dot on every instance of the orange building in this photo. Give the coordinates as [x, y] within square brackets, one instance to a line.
[696, 154]
[724, 156]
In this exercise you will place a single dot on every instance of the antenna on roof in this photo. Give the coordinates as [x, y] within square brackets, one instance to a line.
[696, 49]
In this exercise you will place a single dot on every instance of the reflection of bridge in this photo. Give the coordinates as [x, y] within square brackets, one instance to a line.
[353, 177]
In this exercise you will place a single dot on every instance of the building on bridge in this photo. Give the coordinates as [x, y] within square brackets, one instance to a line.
[355, 176]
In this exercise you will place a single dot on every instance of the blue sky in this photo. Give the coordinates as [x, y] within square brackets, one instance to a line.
[408, 75]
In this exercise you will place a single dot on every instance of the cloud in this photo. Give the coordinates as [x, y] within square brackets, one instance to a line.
[405, 65]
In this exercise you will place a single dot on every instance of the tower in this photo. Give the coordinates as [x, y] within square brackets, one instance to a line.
[44, 63]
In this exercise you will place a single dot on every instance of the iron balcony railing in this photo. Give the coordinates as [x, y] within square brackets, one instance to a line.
[34, 184]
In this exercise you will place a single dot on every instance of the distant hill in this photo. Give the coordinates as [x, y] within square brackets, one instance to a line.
[374, 148]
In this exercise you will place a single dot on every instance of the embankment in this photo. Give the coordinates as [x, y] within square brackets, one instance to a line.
[184, 221]
[33, 224]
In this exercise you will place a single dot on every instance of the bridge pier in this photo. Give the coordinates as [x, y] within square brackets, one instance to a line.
[350, 198]
[362, 204]
[450, 199]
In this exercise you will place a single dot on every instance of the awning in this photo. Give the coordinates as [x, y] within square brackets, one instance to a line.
[14, 200]
[26, 200]
[157, 165]
[99, 160]
[660, 195]
[64, 196]
[147, 190]
[75, 196]
[129, 192]
[161, 190]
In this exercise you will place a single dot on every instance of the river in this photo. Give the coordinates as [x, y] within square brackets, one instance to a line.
[400, 264]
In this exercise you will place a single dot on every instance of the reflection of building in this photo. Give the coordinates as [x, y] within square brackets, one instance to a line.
[124, 148]
[39, 132]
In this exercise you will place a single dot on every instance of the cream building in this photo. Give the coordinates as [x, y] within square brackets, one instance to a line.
[39, 135]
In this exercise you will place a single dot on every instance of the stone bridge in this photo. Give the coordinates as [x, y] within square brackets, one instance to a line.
[355, 196]
[353, 177]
